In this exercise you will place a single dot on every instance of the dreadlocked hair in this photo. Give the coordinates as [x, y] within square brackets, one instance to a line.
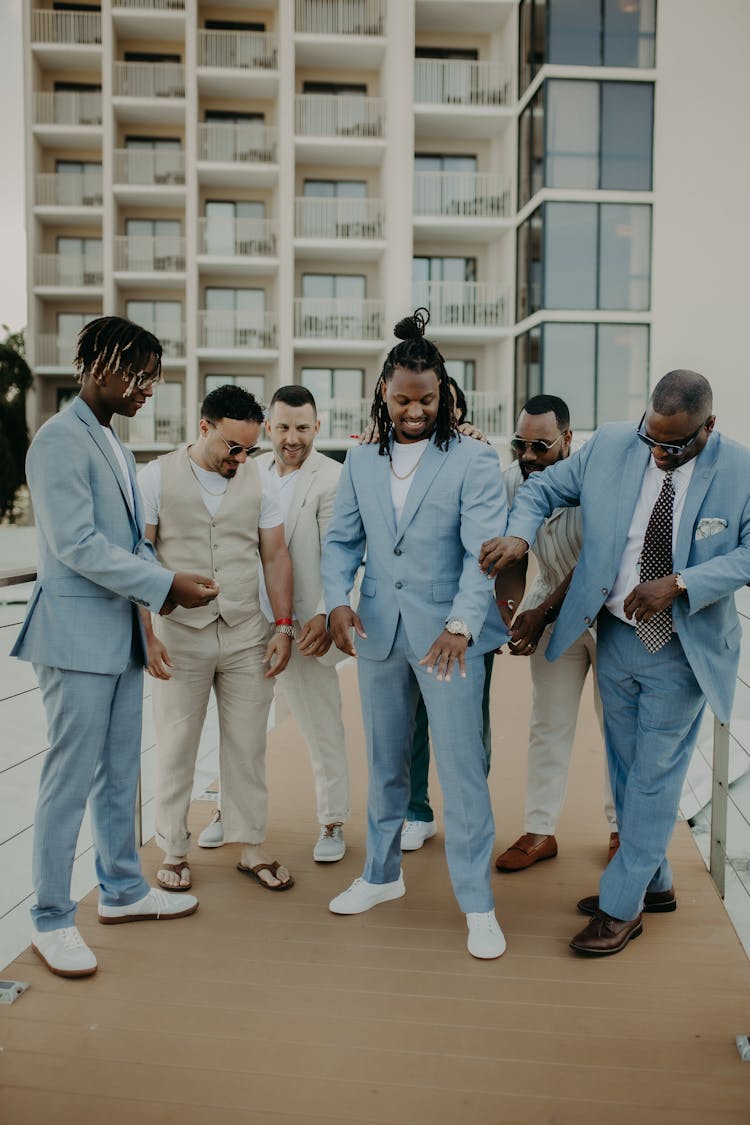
[110, 344]
[416, 353]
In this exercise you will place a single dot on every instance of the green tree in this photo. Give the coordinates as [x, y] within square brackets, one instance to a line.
[15, 381]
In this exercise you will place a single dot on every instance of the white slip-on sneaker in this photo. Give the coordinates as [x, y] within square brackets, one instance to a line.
[64, 951]
[363, 895]
[156, 906]
[415, 832]
[212, 835]
[486, 939]
[331, 845]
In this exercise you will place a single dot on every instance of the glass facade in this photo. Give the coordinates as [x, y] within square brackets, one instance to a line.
[585, 33]
[600, 370]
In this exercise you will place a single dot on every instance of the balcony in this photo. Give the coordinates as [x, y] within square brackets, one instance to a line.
[454, 93]
[245, 246]
[472, 307]
[346, 128]
[151, 428]
[145, 92]
[150, 176]
[354, 322]
[149, 19]
[237, 153]
[237, 63]
[68, 272]
[67, 40]
[352, 223]
[461, 205]
[233, 330]
[161, 255]
[320, 24]
[69, 197]
[68, 118]
[54, 352]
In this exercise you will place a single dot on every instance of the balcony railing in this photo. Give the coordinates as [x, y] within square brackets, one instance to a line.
[79, 270]
[149, 80]
[150, 5]
[338, 218]
[469, 304]
[69, 189]
[346, 318]
[241, 329]
[51, 350]
[141, 253]
[338, 115]
[150, 427]
[237, 50]
[233, 238]
[459, 82]
[242, 143]
[341, 419]
[466, 194]
[340, 17]
[68, 107]
[139, 167]
[66, 27]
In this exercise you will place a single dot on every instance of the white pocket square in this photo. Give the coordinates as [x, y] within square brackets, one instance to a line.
[712, 525]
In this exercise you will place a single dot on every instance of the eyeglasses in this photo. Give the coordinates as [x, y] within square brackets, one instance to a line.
[234, 448]
[518, 445]
[142, 380]
[672, 448]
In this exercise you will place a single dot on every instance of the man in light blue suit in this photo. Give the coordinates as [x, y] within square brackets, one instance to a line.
[666, 543]
[82, 632]
[419, 501]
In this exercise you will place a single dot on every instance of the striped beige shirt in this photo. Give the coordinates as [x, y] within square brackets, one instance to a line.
[557, 545]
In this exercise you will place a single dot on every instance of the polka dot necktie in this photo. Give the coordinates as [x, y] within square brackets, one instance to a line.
[656, 562]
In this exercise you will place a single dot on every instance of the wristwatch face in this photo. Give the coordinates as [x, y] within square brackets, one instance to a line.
[680, 582]
[458, 627]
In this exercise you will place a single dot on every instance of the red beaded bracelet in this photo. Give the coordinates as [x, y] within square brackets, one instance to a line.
[283, 621]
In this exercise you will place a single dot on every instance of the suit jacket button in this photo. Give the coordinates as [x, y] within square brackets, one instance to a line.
[399, 585]
[605, 591]
[397, 551]
[587, 620]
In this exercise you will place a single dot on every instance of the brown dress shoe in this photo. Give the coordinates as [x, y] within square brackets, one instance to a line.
[525, 852]
[654, 902]
[614, 843]
[605, 935]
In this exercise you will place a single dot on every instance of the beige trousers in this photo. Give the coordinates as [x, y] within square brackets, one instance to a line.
[311, 689]
[556, 695]
[224, 658]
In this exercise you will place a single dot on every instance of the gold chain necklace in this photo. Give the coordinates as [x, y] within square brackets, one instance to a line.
[413, 469]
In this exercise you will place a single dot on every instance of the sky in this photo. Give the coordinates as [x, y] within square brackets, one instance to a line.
[12, 217]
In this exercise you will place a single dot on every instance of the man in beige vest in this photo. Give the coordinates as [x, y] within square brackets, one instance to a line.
[206, 502]
[307, 482]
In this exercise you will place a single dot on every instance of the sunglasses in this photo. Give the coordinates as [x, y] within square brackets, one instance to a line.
[673, 448]
[518, 445]
[234, 448]
[141, 380]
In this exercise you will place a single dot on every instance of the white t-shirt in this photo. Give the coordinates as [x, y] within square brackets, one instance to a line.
[405, 456]
[212, 489]
[117, 450]
[285, 488]
[629, 574]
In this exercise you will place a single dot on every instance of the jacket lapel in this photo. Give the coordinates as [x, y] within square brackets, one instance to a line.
[94, 427]
[431, 462]
[302, 486]
[703, 474]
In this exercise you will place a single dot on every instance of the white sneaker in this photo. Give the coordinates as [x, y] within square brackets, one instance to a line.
[155, 906]
[486, 939]
[331, 845]
[415, 832]
[362, 895]
[64, 951]
[212, 835]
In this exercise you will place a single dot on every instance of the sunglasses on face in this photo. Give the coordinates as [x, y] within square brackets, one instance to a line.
[141, 380]
[519, 445]
[234, 448]
[673, 448]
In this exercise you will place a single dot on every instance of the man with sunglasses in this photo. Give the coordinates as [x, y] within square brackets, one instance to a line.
[208, 503]
[666, 543]
[542, 439]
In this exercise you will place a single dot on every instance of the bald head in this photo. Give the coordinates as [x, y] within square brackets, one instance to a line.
[681, 392]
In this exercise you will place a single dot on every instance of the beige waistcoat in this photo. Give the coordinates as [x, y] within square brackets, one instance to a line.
[224, 546]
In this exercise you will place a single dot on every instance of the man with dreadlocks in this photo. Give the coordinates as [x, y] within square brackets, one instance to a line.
[416, 501]
[83, 634]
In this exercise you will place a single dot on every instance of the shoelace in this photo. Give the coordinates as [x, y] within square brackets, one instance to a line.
[330, 831]
[72, 939]
[486, 919]
[162, 900]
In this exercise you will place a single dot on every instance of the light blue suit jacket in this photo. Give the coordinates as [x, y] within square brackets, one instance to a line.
[94, 563]
[712, 552]
[424, 570]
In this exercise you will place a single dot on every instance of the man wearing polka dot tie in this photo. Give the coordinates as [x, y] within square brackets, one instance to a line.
[666, 543]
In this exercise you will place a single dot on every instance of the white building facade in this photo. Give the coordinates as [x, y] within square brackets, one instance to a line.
[269, 187]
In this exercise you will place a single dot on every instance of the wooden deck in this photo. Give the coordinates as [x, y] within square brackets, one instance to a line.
[268, 1010]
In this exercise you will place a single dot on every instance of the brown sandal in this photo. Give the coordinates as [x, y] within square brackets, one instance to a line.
[254, 873]
[178, 869]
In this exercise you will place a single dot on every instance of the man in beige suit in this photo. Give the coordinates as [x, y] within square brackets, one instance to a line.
[307, 482]
[208, 503]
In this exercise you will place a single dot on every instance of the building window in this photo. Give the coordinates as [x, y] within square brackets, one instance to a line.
[235, 318]
[160, 420]
[235, 227]
[463, 371]
[585, 33]
[334, 286]
[338, 398]
[164, 319]
[600, 370]
[255, 384]
[585, 256]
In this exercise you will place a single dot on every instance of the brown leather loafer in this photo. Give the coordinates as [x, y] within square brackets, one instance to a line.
[605, 935]
[654, 902]
[525, 852]
[614, 843]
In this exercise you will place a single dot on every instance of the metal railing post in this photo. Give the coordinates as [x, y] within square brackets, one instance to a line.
[719, 798]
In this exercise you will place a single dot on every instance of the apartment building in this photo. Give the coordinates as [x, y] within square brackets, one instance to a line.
[269, 186]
